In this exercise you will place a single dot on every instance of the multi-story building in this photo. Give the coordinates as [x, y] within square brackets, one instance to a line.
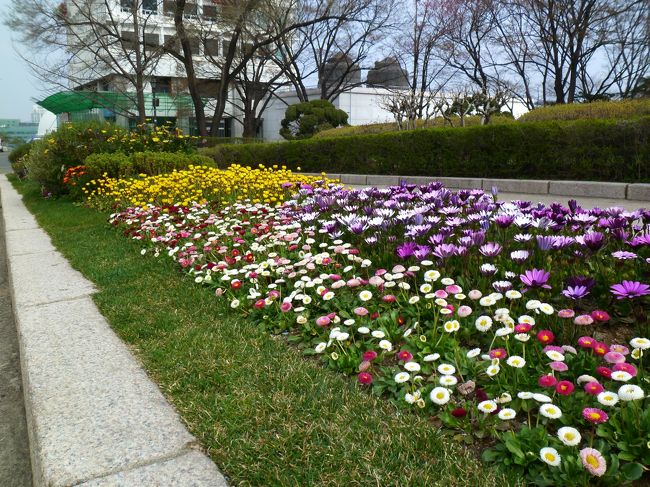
[103, 69]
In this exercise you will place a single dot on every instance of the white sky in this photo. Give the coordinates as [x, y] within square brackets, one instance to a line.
[18, 88]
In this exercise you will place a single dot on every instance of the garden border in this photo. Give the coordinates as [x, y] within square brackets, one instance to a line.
[576, 189]
[94, 417]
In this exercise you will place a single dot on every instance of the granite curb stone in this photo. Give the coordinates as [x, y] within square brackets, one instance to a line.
[572, 189]
[191, 469]
[93, 415]
[528, 186]
[639, 192]
[592, 189]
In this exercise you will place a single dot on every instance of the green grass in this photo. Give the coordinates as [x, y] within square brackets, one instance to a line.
[265, 414]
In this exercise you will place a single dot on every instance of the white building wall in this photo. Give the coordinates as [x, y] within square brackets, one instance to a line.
[362, 104]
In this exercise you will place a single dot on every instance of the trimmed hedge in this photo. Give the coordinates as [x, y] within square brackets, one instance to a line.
[601, 150]
[619, 109]
[121, 165]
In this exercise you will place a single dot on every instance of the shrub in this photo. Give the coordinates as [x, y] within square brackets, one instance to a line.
[623, 109]
[69, 146]
[119, 165]
[303, 120]
[380, 128]
[603, 150]
[16, 157]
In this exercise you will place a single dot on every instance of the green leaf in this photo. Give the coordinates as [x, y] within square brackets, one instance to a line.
[514, 448]
[632, 471]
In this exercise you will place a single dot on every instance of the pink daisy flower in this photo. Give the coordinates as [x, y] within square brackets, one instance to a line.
[594, 415]
[593, 388]
[593, 461]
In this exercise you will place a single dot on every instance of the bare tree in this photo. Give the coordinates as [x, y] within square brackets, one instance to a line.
[334, 50]
[73, 43]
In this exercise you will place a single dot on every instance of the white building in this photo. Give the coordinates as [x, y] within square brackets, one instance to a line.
[362, 104]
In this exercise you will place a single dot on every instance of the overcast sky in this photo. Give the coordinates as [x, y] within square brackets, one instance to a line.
[18, 89]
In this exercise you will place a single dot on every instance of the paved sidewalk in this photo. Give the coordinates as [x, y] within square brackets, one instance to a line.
[15, 467]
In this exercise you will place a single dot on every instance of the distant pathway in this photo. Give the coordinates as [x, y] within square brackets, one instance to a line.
[15, 467]
[549, 198]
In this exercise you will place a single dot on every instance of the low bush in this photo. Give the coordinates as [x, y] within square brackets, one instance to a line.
[16, 157]
[623, 109]
[601, 150]
[381, 128]
[69, 146]
[118, 164]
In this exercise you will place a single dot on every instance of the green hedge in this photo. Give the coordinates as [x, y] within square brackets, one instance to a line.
[619, 109]
[121, 165]
[601, 150]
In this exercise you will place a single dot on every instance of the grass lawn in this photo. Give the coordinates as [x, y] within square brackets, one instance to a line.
[265, 414]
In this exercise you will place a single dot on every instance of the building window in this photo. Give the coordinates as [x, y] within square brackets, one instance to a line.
[128, 40]
[150, 6]
[210, 12]
[151, 42]
[171, 42]
[191, 9]
[161, 85]
[169, 7]
[211, 47]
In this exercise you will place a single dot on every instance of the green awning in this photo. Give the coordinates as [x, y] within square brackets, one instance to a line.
[77, 101]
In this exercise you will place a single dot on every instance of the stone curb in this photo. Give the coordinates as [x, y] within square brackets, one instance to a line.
[93, 415]
[577, 189]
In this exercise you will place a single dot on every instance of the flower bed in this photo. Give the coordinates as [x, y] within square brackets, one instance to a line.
[503, 320]
[269, 185]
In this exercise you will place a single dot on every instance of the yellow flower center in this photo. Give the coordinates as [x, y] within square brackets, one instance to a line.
[592, 460]
[549, 456]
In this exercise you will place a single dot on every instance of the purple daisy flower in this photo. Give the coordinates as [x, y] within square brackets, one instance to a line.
[630, 289]
[575, 292]
[624, 255]
[535, 278]
[490, 249]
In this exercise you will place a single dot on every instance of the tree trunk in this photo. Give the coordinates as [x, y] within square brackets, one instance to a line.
[199, 109]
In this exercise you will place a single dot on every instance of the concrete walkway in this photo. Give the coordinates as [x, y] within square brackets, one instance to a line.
[15, 467]
[93, 416]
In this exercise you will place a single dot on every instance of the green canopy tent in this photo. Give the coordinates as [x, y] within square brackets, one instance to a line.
[78, 101]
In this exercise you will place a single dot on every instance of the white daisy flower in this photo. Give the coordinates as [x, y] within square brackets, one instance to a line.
[488, 406]
[320, 348]
[364, 330]
[607, 398]
[522, 337]
[432, 357]
[401, 377]
[630, 392]
[506, 414]
[451, 326]
[621, 376]
[365, 295]
[550, 456]
[512, 294]
[474, 352]
[446, 369]
[555, 355]
[483, 323]
[525, 395]
[414, 299]
[386, 345]
[569, 436]
[550, 411]
[440, 395]
[412, 366]
[378, 334]
[448, 380]
[516, 361]
[642, 343]
[539, 397]
[493, 370]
